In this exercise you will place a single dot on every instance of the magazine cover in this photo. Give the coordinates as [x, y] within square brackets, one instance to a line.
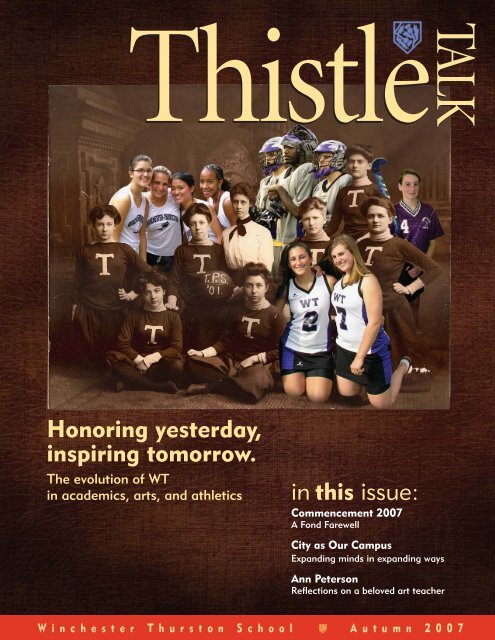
[248, 385]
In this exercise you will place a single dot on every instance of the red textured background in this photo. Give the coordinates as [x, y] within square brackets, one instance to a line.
[228, 558]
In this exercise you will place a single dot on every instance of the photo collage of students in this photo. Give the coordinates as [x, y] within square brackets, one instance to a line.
[313, 284]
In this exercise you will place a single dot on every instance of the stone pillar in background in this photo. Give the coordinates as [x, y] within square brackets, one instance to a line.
[88, 133]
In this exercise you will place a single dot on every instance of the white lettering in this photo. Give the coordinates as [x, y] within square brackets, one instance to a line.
[104, 262]
[371, 251]
[150, 327]
[202, 257]
[250, 322]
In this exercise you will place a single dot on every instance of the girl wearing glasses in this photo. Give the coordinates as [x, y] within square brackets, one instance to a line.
[133, 206]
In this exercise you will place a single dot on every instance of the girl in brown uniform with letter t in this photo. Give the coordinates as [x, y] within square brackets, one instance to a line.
[240, 363]
[385, 256]
[198, 283]
[149, 346]
[105, 269]
[349, 198]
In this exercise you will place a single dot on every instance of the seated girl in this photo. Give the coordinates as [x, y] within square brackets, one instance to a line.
[149, 346]
[240, 364]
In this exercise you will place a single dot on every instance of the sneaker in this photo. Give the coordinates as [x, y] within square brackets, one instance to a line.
[196, 389]
[168, 387]
[407, 361]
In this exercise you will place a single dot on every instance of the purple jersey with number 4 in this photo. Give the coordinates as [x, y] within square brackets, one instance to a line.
[420, 226]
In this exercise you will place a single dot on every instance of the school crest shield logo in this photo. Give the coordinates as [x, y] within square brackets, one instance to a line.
[408, 34]
[322, 628]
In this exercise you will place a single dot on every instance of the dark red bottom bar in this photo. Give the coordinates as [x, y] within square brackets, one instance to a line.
[338, 627]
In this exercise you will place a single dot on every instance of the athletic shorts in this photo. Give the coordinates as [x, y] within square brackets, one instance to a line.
[377, 369]
[313, 365]
[164, 263]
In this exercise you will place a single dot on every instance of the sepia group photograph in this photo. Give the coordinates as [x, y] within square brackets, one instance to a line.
[95, 135]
